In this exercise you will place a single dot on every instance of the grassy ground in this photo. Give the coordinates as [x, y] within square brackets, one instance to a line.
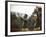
[26, 29]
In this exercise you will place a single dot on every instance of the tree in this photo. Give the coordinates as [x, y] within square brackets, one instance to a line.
[30, 23]
[38, 11]
[13, 22]
[25, 21]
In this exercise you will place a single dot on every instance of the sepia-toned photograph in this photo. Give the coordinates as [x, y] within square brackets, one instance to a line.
[25, 18]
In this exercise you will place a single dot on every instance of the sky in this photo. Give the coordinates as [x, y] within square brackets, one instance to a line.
[23, 9]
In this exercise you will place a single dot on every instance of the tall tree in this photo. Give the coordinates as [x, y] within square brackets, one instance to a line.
[25, 21]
